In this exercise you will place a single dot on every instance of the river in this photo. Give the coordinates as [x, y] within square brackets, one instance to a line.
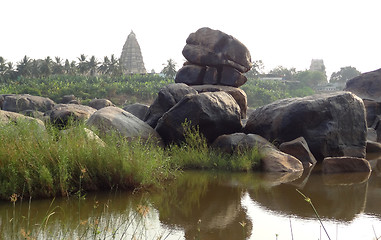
[211, 205]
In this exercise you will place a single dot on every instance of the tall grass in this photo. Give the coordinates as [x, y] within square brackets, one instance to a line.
[49, 163]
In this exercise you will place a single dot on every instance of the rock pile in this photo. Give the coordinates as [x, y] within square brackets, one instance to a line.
[214, 57]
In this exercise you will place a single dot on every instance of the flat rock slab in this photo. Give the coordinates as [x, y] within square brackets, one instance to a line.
[345, 164]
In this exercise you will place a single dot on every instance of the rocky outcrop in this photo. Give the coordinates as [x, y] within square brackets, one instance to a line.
[100, 103]
[214, 58]
[299, 149]
[345, 164]
[127, 125]
[167, 97]
[332, 124]
[215, 113]
[366, 86]
[61, 114]
[238, 94]
[21, 102]
[137, 109]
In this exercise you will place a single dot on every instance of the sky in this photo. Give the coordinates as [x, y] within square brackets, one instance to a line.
[288, 33]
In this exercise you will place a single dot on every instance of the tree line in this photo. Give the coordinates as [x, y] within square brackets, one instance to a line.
[39, 68]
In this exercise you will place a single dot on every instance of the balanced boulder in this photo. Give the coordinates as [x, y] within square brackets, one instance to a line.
[332, 124]
[214, 48]
[215, 113]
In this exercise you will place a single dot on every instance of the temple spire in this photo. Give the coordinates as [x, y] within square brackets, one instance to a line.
[131, 59]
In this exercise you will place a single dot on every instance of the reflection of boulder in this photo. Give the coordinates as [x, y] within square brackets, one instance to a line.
[374, 193]
[206, 197]
[341, 202]
[346, 178]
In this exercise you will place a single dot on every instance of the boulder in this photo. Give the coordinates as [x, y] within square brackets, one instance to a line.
[345, 164]
[274, 160]
[21, 102]
[332, 124]
[127, 125]
[190, 74]
[373, 147]
[8, 117]
[238, 142]
[216, 113]
[68, 98]
[167, 97]
[211, 76]
[100, 103]
[366, 86]
[62, 113]
[299, 149]
[208, 47]
[232, 77]
[373, 109]
[90, 135]
[238, 94]
[137, 109]
[1, 101]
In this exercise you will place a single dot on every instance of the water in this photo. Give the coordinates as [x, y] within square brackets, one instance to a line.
[211, 205]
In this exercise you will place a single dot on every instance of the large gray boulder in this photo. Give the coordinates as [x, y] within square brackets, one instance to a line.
[61, 114]
[127, 125]
[137, 109]
[216, 113]
[238, 94]
[208, 47]
[21, 102]
[366, 86]
[332, 124]
[167, 97]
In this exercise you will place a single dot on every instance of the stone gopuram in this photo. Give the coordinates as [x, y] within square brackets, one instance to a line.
[131, 59]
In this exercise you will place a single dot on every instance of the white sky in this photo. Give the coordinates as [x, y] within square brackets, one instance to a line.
[278, 32]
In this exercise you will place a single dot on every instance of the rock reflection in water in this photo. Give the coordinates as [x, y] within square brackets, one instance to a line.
[206, 206]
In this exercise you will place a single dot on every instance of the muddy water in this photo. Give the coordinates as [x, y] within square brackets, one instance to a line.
[211, 205]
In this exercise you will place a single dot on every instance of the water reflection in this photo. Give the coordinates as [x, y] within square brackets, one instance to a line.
[208, 205]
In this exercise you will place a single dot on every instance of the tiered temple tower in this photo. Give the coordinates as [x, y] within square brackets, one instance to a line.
[131, 59]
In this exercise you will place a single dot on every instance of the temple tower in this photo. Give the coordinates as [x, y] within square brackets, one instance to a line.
[131, 59]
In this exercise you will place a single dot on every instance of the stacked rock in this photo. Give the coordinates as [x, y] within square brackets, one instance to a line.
[215, 58]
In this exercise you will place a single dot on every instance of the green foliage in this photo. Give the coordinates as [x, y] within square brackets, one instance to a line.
[170, 69]
[194, 153]
[311, 78]
[345, 74]
[262, 92]
[116, 89]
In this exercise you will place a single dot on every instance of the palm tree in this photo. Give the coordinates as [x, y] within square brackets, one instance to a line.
[104, 67]
[93, 65]
[57, 66]
[114, 68]
[24, 67]
[169, 70]
[46, 66]
[83, 66]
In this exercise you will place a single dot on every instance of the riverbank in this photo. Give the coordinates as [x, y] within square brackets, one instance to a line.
[48, 163]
